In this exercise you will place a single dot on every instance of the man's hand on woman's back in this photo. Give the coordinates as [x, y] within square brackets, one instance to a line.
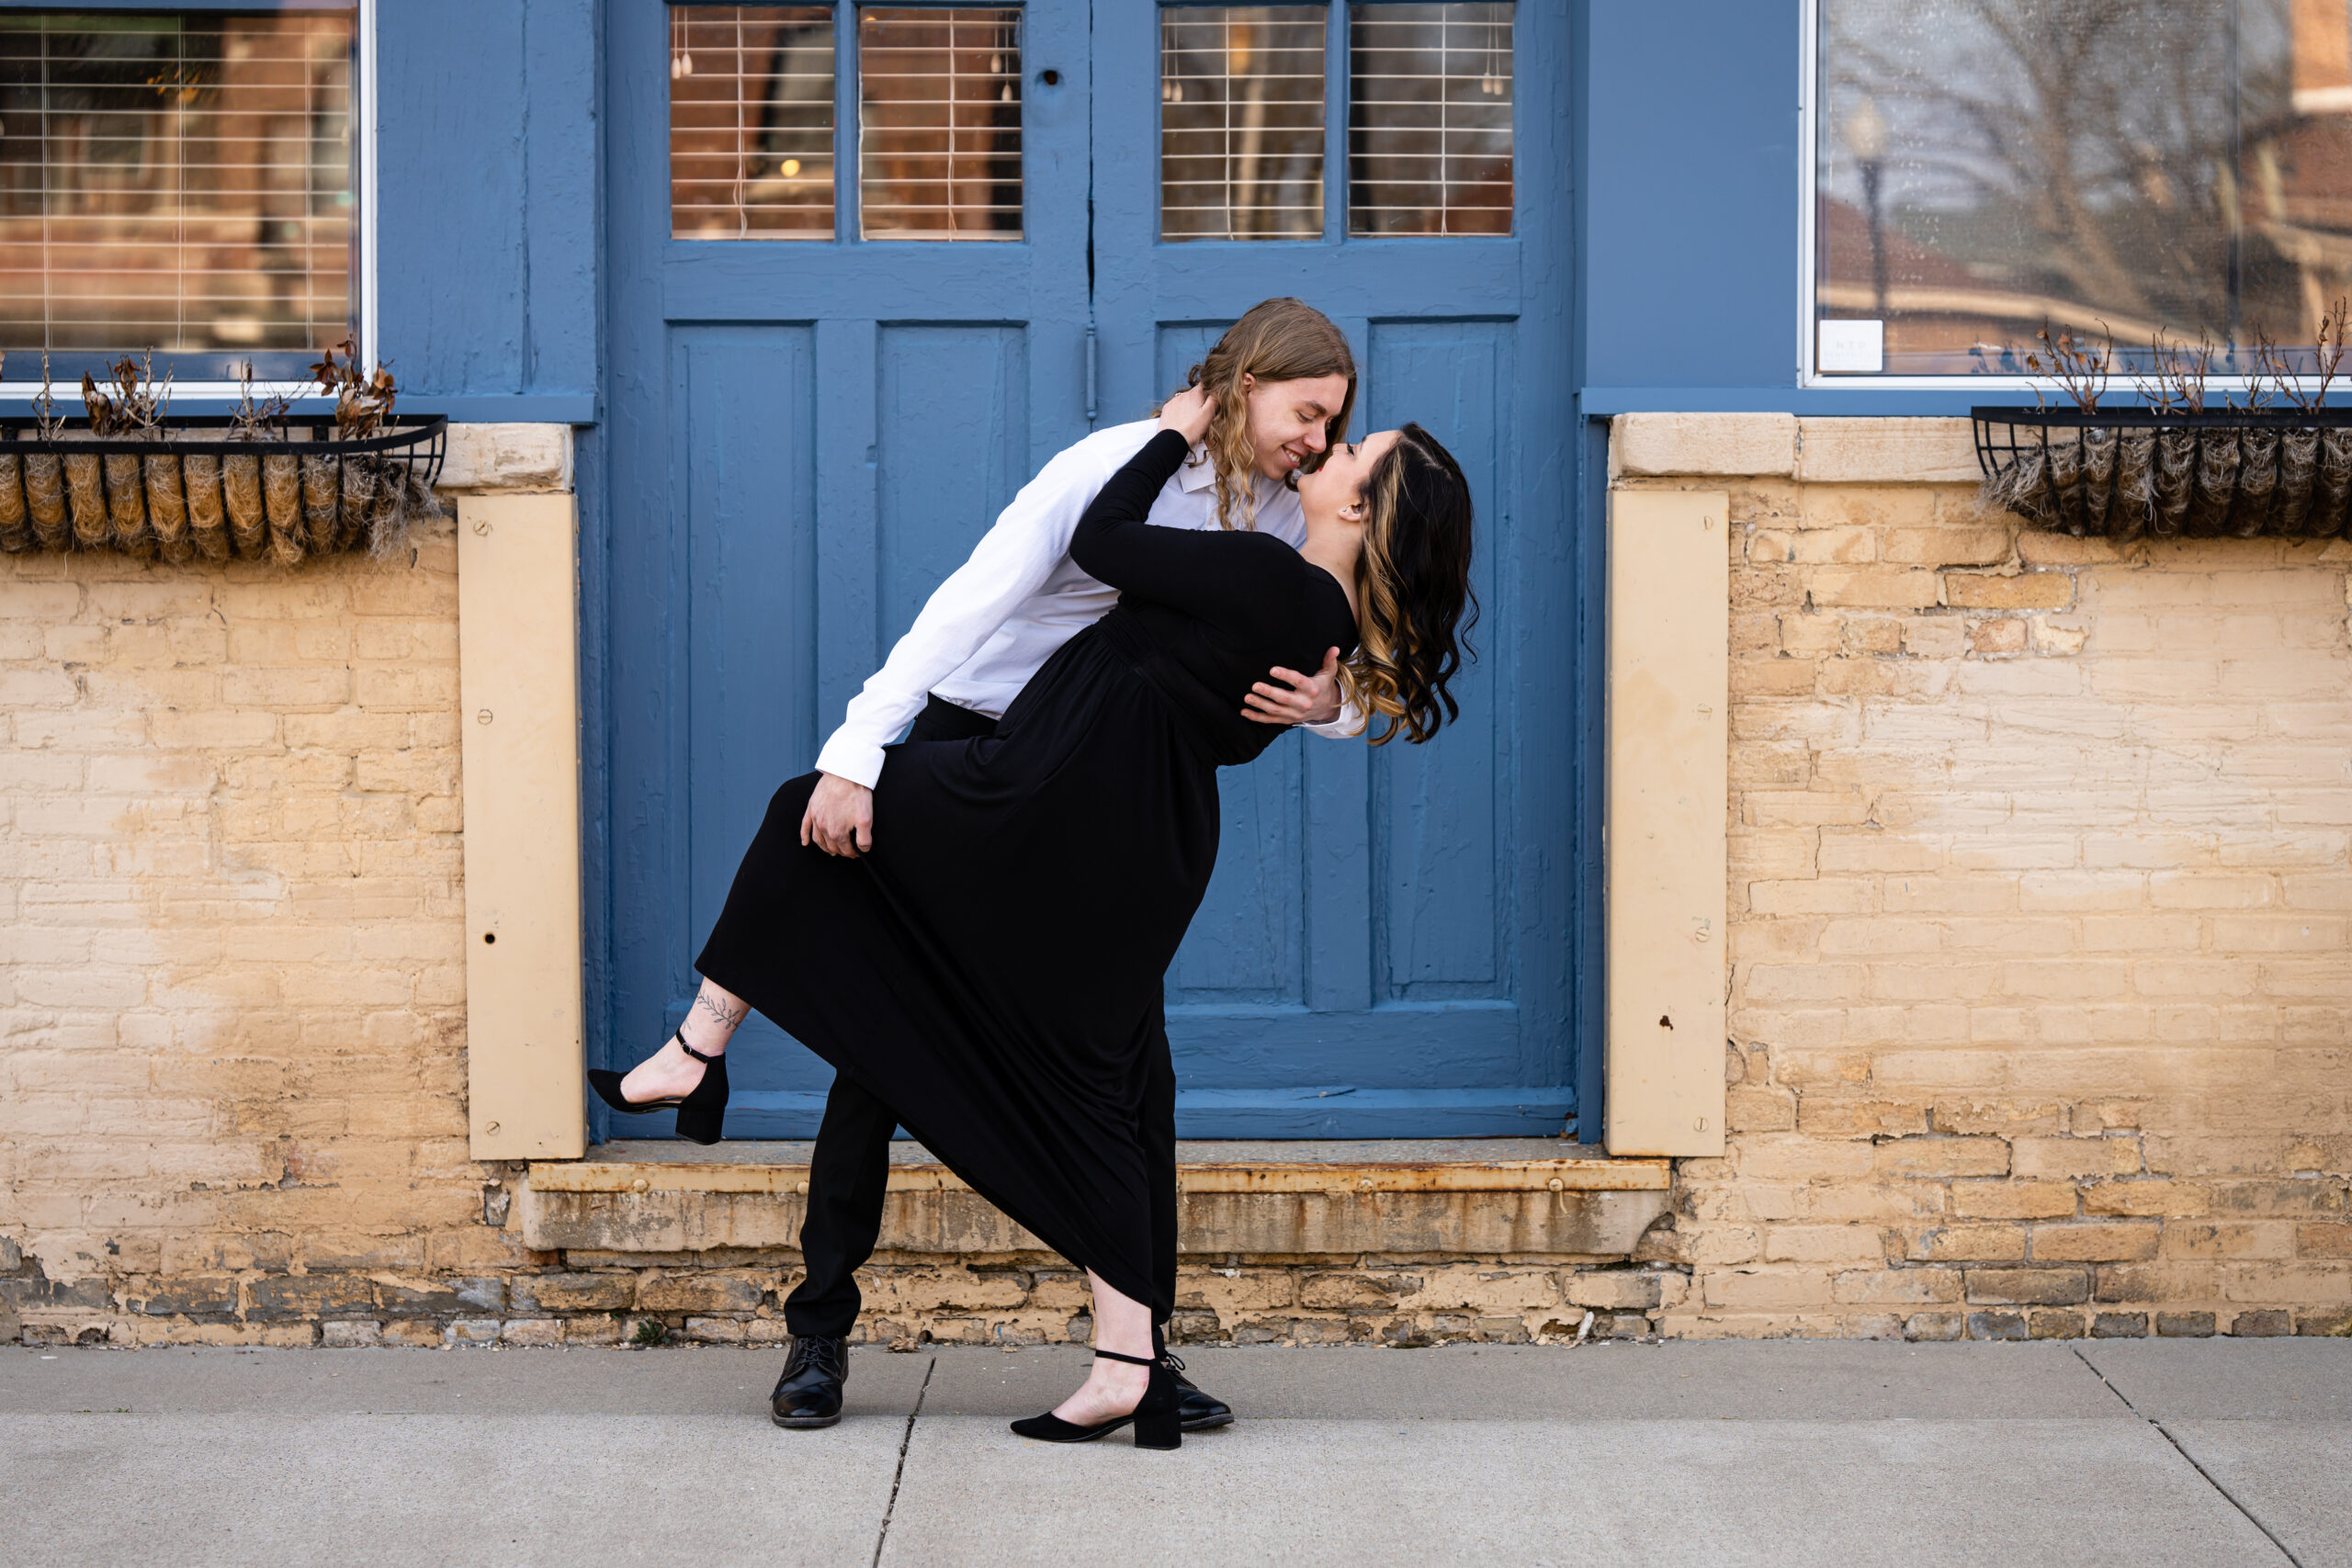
[1297, 699]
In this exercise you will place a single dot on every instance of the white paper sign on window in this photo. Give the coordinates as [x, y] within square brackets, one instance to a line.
[1852, 346]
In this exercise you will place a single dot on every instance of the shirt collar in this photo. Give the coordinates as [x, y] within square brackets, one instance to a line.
[1197, 472]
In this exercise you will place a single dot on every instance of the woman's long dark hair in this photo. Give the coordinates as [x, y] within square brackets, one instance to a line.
[1412, 586]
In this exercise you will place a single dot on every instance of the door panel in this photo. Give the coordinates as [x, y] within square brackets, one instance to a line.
[952, 448]
[1436, 808]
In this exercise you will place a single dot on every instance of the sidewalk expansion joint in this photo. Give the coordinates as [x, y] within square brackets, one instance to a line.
[906, 1441]
[2210, 1479]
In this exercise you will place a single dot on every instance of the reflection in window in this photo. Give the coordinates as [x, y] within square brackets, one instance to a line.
[180, 183]
[1986, 166]
[1428, 119]
[1241, 122]
[938, 132]
[750, 122]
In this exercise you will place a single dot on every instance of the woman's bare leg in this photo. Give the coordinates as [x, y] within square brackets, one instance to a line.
[710, 1023]
[1112, 1388]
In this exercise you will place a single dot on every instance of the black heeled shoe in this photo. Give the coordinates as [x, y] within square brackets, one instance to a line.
[700, 1114]
[1155, 1416]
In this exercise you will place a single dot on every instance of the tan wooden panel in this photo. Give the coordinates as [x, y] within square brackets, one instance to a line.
[1669, 616]
[517, 674]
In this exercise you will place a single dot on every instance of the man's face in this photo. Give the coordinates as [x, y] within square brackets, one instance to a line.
[1289, 420]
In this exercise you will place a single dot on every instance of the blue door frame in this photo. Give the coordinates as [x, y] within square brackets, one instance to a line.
[804, 437]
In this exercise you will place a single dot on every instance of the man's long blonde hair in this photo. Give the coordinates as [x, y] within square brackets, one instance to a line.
[1275, 340]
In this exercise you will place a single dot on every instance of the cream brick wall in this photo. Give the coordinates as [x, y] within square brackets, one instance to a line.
[232, 929]
[2041, 1000]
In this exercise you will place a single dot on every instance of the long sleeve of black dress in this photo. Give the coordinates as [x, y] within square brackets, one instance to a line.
[1218, 609]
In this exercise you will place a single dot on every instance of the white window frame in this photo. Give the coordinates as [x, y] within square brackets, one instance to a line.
[364, 276]
[1808, 335]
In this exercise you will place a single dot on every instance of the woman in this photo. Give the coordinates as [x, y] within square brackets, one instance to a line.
[991, 968]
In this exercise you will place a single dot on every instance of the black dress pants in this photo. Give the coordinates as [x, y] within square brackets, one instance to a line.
[849, 1172]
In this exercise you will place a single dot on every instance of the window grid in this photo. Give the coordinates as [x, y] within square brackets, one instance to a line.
[752, 122]
[1241, 122]
[1430, 120]
[939, 123]
[183, 184]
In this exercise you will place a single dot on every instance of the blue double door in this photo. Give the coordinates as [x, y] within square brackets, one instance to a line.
[846, 326]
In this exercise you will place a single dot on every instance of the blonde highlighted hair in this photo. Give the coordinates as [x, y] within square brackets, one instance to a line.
[1275, 340]
[1412, 588]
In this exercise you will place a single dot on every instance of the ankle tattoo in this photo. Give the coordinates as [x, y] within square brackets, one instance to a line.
[726, 1018]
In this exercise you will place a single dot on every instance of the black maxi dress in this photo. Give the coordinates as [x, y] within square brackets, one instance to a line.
[991, 970]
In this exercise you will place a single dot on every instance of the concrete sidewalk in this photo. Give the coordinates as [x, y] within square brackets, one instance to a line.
[2212, 1453]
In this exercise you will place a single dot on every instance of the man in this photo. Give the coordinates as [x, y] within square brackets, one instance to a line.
[1284, 382]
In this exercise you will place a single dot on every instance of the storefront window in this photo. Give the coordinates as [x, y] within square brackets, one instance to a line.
[179, 183]
[1988, 167]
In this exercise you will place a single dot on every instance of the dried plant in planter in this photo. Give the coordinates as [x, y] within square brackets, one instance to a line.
[85, 484]
[133, 411]
[241, 487]
[208, 523]
[16, 522]
[45, 473]
[378, 495]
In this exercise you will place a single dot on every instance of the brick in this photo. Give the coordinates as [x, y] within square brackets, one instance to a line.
[2029, 1287]
[309, 1296]
[2266, 1325]
[1996, 1326]
[192, 1294]
[2117, 1241]
[1941, 1157]
[2185, 1324]
[1933, 1326]
[2044, 1322]
[2027, 591]
[2120, 1325]
[2324, 1241]
[1356, 1290]
[2013, 1199]
[573, 1293]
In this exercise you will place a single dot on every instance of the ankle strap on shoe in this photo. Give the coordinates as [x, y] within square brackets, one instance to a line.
[681, 1038]
[1131, 1360]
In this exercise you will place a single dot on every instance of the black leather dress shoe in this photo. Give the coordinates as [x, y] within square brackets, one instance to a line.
[1195, 1411]
[809, 1392]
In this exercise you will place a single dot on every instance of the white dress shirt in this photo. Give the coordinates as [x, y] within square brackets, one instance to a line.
[999, 617]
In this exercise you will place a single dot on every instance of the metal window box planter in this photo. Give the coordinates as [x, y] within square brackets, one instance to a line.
[2127, 473]
[191, 490]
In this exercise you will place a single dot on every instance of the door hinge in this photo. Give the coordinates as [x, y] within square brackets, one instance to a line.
[1092, 355]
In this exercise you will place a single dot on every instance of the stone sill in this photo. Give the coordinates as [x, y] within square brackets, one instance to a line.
[1808, 449]
[1486, 1197]
[1461, 1165]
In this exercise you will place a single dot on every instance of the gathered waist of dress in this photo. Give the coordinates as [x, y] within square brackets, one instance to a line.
[1217, 730]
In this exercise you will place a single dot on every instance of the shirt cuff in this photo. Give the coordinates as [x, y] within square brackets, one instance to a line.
[856, 761]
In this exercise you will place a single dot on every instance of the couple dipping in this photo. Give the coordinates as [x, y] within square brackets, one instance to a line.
[972, 926]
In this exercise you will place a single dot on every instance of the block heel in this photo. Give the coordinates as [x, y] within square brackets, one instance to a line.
[1156, 1417]
[701, 1113]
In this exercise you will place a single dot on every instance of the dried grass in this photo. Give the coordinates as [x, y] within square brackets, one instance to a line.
[207, 520]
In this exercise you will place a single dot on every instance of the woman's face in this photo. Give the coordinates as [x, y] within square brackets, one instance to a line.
[1289, 420]
[1340, 483]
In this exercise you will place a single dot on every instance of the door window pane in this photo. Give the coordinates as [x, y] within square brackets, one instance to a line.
[2134, 166]
[175, 183]
[750, 122]
[939, 132]
[1241, 122]
[1428, 119]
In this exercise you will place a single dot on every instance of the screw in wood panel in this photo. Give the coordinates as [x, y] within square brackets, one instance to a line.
[801, 1188]
[638, 1186]
[1557, 1185]
[493, 936]
[489, 1126]
[482, 718]
[481, 528]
